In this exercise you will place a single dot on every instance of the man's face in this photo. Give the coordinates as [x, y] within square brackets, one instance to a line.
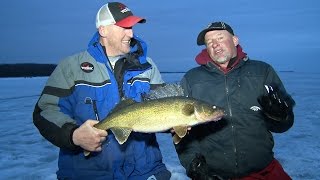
[221, 45]
[117, 40]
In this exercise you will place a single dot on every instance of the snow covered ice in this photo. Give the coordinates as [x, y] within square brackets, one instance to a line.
[25, 154]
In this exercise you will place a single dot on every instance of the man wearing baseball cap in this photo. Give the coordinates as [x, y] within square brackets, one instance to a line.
[240, 146]
[84, 89]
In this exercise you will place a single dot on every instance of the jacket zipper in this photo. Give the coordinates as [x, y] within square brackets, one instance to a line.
[232, 125]
[88, 100]
[95, 109]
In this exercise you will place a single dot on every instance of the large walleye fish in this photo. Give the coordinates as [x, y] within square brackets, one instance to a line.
[159, 115]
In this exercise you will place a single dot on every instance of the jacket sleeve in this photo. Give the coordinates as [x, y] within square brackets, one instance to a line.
[154, 74]
[53, 112]
[279, 126]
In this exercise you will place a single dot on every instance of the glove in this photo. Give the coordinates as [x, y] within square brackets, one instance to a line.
[198, 169]
[275, 104]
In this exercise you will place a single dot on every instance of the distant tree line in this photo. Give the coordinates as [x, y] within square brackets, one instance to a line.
[26, 70]
[34, 70]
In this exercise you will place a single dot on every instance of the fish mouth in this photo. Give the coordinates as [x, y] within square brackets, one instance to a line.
[217, 117]
[213, 117]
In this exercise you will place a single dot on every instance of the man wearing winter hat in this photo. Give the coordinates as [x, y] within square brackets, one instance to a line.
[85, 88]
[255, 101]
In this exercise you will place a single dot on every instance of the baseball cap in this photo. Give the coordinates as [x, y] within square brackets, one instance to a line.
[118, 14]
[213, 26]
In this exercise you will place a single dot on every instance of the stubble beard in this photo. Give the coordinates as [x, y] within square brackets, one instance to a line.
[223, 59]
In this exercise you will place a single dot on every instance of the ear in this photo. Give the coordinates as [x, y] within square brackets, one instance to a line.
[102, 31]
[235, 40]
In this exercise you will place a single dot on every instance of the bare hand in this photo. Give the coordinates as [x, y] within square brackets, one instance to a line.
[89, 137]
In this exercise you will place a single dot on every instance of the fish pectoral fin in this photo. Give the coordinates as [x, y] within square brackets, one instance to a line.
[121, 134]
[176, 139]
[181, 131]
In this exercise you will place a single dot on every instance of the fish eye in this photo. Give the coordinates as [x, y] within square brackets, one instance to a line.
[214, 107]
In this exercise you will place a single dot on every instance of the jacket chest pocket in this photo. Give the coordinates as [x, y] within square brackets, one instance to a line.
[94, 103]
[249, 89]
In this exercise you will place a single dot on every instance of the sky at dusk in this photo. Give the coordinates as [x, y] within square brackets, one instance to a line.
[283, 33]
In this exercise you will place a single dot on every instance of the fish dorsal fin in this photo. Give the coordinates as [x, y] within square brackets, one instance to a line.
[188, 109]
[165, 90]
[121, 134]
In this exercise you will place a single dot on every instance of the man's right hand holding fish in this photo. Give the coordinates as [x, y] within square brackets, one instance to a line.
[88, 137]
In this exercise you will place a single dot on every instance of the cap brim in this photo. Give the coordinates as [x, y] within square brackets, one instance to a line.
[130, 21]
[200, 39]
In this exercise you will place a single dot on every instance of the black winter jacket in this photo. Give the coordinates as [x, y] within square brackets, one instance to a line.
[241, 143]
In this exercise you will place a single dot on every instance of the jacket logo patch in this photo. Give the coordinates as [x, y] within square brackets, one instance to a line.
[86, 67]
[255, 108]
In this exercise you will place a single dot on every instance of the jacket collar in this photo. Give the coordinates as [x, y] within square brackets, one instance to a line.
[203, 58]
[96, 50]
